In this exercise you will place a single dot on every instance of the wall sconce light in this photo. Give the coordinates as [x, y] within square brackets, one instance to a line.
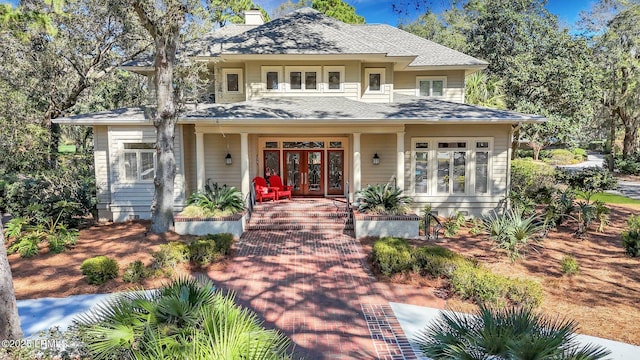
[376, 159]
[227, 159]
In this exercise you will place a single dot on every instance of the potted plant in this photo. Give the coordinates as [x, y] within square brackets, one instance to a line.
[382, 210]
[217, 209]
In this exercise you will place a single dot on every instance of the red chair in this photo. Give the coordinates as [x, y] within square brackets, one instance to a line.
[282, 190]
[263, 191]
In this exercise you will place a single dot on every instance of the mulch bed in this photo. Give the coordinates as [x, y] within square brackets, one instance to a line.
[603, 297]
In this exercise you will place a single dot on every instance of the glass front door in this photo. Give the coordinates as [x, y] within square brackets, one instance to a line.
[304, 172]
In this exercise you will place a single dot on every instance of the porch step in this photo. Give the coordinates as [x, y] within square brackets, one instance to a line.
[301, 214]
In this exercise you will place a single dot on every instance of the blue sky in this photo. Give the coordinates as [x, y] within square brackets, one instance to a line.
[375, 11]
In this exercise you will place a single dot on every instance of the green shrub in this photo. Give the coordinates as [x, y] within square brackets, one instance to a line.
[569, 265]
[630, 165]
[452, 224]
[392, 255]
[62, 239]
[223, 242]
[170, 255]
[579, 154]
[134, 272]
[383, 200]
[631, 236]
[560, 157]
[484, 287]
[587, 181]
[524, 292]
[528, 177]
[99, 269]
[40, 197]
[437, 261]
[203, 251]
[26, 246]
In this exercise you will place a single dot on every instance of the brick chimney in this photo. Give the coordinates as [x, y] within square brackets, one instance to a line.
[253, 17]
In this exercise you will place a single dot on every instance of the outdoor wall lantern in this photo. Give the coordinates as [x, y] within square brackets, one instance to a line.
[376, 159]
[227, 159]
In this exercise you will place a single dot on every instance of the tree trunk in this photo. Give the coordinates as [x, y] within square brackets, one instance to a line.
[9, 319]
[515, 144]
[630, 144]
[165, 123]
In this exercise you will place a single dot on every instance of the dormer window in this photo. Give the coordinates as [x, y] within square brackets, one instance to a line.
[334, 76]
[303, 78]
[374, 80]
[232, 79]
[429, 86]
[272, 78]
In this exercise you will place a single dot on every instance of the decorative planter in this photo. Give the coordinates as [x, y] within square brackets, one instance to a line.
[402, 226]
[233, 224]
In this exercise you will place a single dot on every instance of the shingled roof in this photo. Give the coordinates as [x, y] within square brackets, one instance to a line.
[309, 32]
[405, 109]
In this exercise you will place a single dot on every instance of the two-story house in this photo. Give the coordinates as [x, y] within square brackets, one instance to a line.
[325, 105]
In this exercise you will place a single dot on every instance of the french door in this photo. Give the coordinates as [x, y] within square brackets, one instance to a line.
[304, 171]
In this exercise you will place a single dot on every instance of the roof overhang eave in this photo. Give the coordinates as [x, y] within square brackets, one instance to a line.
[468, 68]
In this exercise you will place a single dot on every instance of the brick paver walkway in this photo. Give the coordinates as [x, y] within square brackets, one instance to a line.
[315, 286]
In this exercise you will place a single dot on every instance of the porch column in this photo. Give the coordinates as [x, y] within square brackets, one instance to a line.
[244, 163]
[357, 165]
[200, 172]
[400, 159]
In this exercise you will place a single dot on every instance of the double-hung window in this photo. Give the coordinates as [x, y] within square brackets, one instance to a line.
[374, 80]
[451, 166]
[303, 78]
[429, 86]
[232, 81]
[139, 161]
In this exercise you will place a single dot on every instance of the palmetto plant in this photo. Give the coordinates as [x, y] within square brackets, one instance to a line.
[512, 231]
[218, 198]
[186, 319]
[383, 200]
[508, 333]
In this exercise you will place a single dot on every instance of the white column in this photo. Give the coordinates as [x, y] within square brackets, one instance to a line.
[400, 159]
[200, 171]
[244, 163]
[357, 164]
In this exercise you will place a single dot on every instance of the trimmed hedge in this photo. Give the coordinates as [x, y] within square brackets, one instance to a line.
[98, 270]
[392, 255]
[468, 279]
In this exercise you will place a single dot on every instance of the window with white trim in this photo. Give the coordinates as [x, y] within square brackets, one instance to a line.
[303, 78]
[272, 78]
[334, 78]
[139, 162]
[451, 166]
[429, 86]
[374, 80]
[232, 81]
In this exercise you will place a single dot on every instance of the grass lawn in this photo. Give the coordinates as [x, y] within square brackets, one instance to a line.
[67, 149]
[617, 199]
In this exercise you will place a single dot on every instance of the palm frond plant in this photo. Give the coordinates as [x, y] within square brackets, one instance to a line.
[185, 319]
[513, 232]
[383, 200]
[218, 200]
[507, 333]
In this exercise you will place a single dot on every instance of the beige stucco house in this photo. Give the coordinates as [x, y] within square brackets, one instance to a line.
[324, 104]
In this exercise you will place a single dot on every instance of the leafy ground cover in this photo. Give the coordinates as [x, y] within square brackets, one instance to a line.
[602, 297]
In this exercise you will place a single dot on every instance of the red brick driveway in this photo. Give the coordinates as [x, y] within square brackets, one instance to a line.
[315, 286]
